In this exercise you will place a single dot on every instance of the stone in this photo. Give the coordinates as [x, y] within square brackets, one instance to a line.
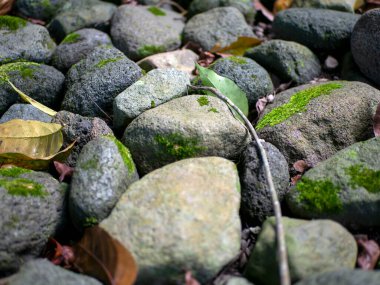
[234, 280]
[42, 271]
[155, 88]
[313, 247]
[189, 126]
[289, 61]
[365, 44]
[159, 32]
[314, 121]
[220, 26]
[93, 83]
[351, 72]
[80, 129]
[41, 82]
[79, 14]
[184, 215]
[77, 46]
[33, 209]
[24, 112]
[253, 79]
[340, 5]
[103, 173]
[183, 59]
[22, 40]
[318, 29]
[343, 277]
[43, 10]
[256, 201]
[345, 187]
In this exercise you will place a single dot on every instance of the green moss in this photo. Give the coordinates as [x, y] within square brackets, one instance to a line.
[89, 164]
[364, 177]
[25, 69]
[125, 154]
[71, 38]
[319, 195]
[156, 11]
[104, 62]
[203, 101]
[148, 50]
[214, 110]
[152, 104]
[13, 171]
[23, 187]
[11, 23]
[296, 104]
[178, 146]
[90, 221]
[237, 59]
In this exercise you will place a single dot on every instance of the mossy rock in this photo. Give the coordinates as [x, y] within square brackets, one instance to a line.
[39, 9]
[345, 187]
[339, 5]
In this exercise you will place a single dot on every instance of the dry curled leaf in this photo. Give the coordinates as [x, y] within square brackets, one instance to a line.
[205, 58]
[5, 6]
[376, 122]
[369, 252]
[280, 5]
[295, 179]
[260, 7]
[301, 166]
[190, 280]
[58, 254]
[64, 171]
[238, 47]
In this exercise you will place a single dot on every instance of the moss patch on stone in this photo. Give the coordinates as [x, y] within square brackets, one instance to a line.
[214, 110]
[12, 23]
[203, 101]
[124, 152]
[148, 50]
[296, 104]
[237, 59]
[156, 11]
[152, 104]
[90, 221]
[25, 69]
[104, 62]
[178, 146]
[364, 177]
[71, 38]
[319, 195]
[23, 187]
[13, 171]
[89, 164]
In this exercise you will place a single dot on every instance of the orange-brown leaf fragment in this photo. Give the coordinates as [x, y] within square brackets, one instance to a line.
[280, 5]
[376, 122]
[5, 6]
[238, 47]
[369, 252]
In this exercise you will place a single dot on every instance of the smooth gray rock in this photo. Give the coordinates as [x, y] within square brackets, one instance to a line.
[77, 46]
[184, 127]
[340, 5]
[41, 82]
[103, 173]
[79, 14]
[256, 201]
[253, 79]
[289, 61]
[345, 187]
[39, 9]
[94, 82]
[44, 272]
[365, 44]
[155, 88]
[25, 112]
[312, 246]
[184, 215]
[219, 25]
[159, 32]
[79, 129]
[343, 277]
[234, 280]
[22, 40]
[32, 207]
[339, 115]
[351, 72]
[318, 29]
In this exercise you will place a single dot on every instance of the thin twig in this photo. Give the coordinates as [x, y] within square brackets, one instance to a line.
[281, 249]
[174, 4]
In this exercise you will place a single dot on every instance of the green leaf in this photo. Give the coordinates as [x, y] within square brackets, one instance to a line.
[227, 87]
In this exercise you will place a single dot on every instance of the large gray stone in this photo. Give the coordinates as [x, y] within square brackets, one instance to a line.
[253, 79]
[94, 82]
[39, 9]
[32, 210]
[318, 29]
[77, 46]
[22, 40]
[103, 172]
[313, 122]
[160, 30]
[189, 126]
[79, 129]
[256, 201]
[44, 272]
[217, 26]
[345, 187]
[155, 88]
[351, 72]
[289, 61]
[312, 246]
[25, 112]
[340, 5]
[184, 215]
[365, 44]
[41, 82]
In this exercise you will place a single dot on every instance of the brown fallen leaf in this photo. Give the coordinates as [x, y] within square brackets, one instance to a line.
[5, 6]
[58, 254]
[238, 47]
[205, 58]
[295, 179]
[376, 122]
[190, 280]
[260, 7]
[369, 252]
[99, 255]
[64, 171]
[280, 5]
[301, 166]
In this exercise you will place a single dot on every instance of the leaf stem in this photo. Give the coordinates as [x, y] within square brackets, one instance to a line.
[280, 235]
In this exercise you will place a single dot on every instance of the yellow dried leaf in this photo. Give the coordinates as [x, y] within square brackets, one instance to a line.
[280, 5]
[238, 47]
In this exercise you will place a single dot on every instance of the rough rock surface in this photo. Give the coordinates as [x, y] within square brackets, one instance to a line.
[340, 5]
[25, 112]
[39, 9]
